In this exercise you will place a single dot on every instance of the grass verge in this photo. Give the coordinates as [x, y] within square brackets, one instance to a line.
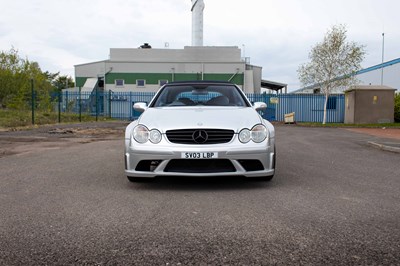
[18, 118]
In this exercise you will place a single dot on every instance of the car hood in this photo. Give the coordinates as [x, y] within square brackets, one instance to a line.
[167, 118]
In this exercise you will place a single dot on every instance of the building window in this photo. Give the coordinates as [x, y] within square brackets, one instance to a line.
[140, 82]
[119, 82]
[162, 82]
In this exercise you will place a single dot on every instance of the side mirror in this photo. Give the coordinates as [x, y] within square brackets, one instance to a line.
[140, 107]
[259, 106]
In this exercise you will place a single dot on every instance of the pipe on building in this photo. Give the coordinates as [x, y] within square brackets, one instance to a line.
[197, 22]
[237, 72]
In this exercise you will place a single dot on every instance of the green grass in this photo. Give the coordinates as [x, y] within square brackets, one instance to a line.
[387, 125]
[18, 118]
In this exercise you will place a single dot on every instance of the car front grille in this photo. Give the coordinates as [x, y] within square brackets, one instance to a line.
[200, 136]
[200, 166]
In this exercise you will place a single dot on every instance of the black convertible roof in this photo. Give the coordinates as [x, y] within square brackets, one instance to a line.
[200, 82]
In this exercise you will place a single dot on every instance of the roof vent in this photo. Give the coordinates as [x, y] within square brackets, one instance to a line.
[145, 46]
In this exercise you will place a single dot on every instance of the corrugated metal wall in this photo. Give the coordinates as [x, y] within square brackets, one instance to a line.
[310, 107]
[307, 107]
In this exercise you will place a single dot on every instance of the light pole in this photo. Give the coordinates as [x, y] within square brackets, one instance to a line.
[33, 101]
[383, 55]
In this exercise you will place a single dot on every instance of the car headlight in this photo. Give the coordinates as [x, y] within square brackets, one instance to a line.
[244, 135]
[142, 134]
[257, 134]
[155, 136]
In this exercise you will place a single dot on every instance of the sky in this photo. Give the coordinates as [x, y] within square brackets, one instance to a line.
[276, 35]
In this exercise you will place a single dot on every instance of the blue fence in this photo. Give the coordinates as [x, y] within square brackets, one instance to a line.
[119, 105]
[307, 107]
[310, 107]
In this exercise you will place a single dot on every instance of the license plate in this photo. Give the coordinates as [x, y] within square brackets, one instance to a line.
[199, 155]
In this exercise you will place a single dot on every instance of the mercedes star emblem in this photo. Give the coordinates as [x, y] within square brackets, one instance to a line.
[200, 136]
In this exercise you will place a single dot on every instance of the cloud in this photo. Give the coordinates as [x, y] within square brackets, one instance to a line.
[276, 35]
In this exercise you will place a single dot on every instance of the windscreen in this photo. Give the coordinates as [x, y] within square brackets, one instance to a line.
[202, 94]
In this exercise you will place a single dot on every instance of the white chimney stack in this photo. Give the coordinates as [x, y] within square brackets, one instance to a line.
[197, 22]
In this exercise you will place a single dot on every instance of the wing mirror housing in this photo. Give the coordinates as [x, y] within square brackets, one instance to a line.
[259, 106]
[140, 107]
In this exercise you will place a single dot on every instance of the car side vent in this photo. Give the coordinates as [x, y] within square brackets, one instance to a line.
[147, 165]
[200, 136]
[251, 165]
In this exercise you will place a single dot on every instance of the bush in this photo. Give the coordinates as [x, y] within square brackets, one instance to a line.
[397, 107]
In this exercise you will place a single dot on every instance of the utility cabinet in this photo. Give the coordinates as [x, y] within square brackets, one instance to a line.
[369, 105]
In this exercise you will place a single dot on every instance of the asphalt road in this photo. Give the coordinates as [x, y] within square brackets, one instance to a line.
[333, 201]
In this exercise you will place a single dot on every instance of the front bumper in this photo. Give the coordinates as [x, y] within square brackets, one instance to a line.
[234, 159]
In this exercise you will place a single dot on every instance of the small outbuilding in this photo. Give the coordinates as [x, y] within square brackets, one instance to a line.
[369, 105]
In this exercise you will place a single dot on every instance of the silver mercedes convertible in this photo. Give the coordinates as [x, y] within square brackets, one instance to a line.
[200, 128]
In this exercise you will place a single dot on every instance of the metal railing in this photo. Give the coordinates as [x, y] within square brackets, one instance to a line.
[119, 105]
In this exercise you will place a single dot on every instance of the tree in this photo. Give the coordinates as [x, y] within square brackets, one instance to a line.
[333, 63]
[16, 75]
[397, 107]
[11, 66]
[59, 81]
